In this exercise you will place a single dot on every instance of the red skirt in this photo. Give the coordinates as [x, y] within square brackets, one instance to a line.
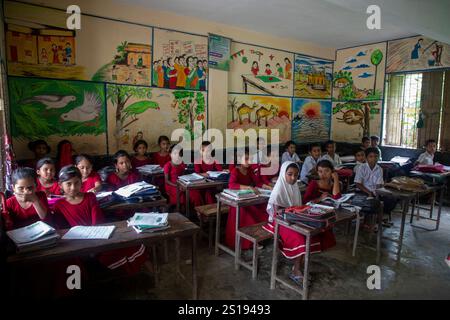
[293, 244]
[195, 197]
[126, 260]
[247, 216]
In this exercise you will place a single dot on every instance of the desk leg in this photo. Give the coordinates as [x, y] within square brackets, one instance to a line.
[237, 242]
[355, 239]
[194, 267]
[306, 268]
[188, 203]
[216, 249]
[441, 199]
[178, 199]
[177, 257]
[413, 207]
[379, 233]
[402, 227]
[433, 200]
[274, 258]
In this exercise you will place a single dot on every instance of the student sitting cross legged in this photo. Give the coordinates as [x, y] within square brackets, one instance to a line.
[81, 209]
[287, 194]
[140, 159]
[243, 178]
[369, 177]
[91, 181]
[427, 157]
[207, 164]
[331, 155]
[27, 206]
[46, 171]
[124, 174]
[309, 166]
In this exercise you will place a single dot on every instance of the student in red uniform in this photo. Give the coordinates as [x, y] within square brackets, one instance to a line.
[65, 153]
[267, 180]
[163, 155]
[46, 171]
[81, 209]
[284, 195]
[90, 180]
[27, 206]
[172, 170]
[124, 174]
[326, 186]
[243, 178]
[141, 158]
[40, 148]
[208, 164]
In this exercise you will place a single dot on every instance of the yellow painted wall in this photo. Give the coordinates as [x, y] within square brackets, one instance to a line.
[218, 80]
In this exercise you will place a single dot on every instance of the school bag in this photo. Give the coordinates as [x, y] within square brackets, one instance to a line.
[317, 216]
[368, 206]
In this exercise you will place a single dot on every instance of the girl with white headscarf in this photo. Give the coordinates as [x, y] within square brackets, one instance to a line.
[285, 194]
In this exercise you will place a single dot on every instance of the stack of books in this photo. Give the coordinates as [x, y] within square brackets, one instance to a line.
[38, 235]
[218, 175]
[150, 169]
[136, 189]
[264, 192]
[149, 222]
[192, 178]
[239, 194]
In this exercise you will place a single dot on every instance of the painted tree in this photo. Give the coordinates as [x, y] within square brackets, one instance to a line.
[232, 105]
[190, 106]
[357, 113]
[375, 58]
[121, 55]
[119, 96]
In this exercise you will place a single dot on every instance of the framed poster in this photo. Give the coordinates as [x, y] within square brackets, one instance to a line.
[219, 52]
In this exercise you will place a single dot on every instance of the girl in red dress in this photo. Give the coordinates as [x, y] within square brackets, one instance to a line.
[82, 209]
[268, 180]
[172, 170]
[243, 178]
[27, 206]
[46, 171]
[65, 153]
[140, 159]
[163, 155]
[124, 174]
[207, 164]
[90, 180]
[287, 194]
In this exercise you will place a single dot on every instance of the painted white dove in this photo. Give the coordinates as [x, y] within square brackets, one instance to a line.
[89, 110]
[52, 101]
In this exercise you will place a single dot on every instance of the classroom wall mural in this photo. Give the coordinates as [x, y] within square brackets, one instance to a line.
[311, 120]
[258, 70]
[54, 110]
[260, 112]
[312, 77]
[146, 113]
[417, 53]
[359, 73]
[181, 60]
[39, 45]
[353, 120]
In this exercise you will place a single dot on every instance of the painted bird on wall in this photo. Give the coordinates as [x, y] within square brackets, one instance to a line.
[89, 110]
[139, 107]
[51, 101]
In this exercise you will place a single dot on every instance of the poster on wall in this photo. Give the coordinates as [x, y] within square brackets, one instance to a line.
[54, 110]
[219, 52]
[359, 73]
[312, 77]
[260, 112]
[417, 53]
[258, 70]
[146, 113]
[311, 120]
[39, 45]
[180, 60]
[353, 120]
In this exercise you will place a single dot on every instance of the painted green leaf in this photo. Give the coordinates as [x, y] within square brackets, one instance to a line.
[376, 57]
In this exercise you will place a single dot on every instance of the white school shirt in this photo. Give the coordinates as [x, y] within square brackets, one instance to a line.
[426, 158]
[357, 166]
[309, 164]
[336, 161]
[287, 157]
[259, 157]
[369, 178]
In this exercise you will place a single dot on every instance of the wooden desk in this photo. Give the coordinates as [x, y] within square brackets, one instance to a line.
[122, 237]
[341, 217]
[434, 189]
[152, 176]
[235, 204]
[160, 204]
[436, 178]
[182, 186]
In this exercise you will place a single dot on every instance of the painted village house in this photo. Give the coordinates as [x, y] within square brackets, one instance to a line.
[138, 52]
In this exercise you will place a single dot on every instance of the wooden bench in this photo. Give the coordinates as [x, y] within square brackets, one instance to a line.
[254, 233]
[208, 214]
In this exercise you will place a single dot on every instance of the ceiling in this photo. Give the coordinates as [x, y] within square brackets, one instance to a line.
[329, 23]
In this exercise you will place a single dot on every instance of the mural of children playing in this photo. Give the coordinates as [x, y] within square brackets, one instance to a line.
[288, 69]
[68, 54]
[55, 54]
[44, 56]
[279, 70]
[255, 68]
[268, 71]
